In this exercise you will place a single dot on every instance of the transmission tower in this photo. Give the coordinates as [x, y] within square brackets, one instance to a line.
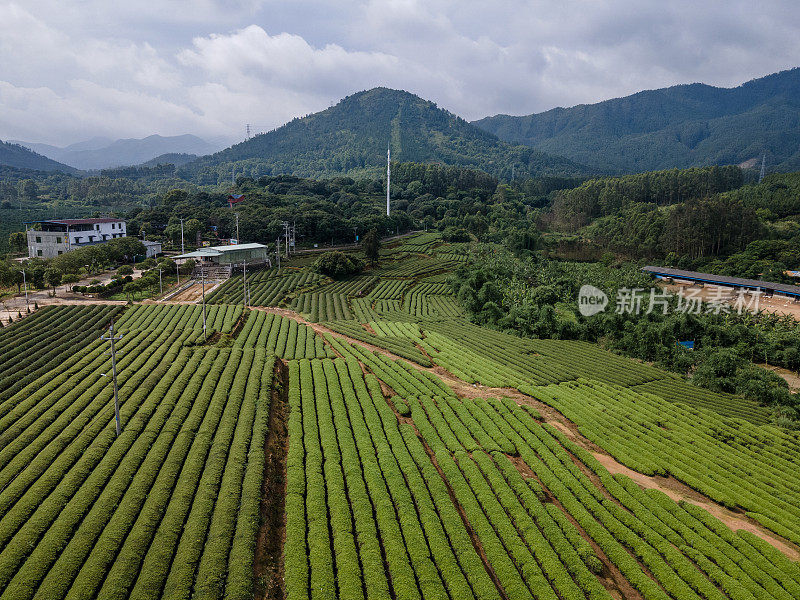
[247, 131]
[388, 175]
[763, 167]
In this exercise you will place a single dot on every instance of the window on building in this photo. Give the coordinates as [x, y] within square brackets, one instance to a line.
[77, 239]
[61, 252]
[38, 253]
[97, 227]
[91, 238]
[38, 239]
[113, 226]
[58, 240]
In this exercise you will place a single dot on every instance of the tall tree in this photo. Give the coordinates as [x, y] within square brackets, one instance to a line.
[17, 241]
[371, 245]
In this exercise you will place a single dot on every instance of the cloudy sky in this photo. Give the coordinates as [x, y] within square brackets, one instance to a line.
[73, 69]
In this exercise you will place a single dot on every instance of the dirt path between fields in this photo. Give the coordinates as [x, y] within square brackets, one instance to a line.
[679, 491]
[268, 567]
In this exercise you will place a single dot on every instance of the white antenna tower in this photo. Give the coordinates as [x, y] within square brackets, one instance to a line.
[763, 166]
[388, 175]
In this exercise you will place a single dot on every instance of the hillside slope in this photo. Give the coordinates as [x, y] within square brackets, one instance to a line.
[351, 137]
[14, 155]
[679, 126]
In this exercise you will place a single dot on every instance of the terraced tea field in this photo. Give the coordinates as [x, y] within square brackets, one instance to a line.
[361, 439]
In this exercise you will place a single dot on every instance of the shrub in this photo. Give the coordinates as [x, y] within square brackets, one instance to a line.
[338, 264]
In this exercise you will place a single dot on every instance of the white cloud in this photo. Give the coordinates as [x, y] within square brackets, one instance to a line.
[70, 71]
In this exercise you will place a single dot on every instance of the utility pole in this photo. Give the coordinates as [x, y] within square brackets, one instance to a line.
[763, 166]
[182, 249]
[160, 285]
[244, 282]
[25, 284]
[286, 236]
[388, 175]
[178, 272]
[203, 283]
[112, 338]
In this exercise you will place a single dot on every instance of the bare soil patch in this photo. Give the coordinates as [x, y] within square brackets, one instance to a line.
[792, 378]
[194, 292]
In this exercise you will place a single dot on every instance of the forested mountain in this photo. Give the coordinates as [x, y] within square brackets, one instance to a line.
[351, 138]
[14, 155]
[103, 153]
[679, 126]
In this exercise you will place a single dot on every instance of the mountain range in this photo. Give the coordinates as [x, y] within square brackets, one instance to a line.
[104, 153]
[678, 126]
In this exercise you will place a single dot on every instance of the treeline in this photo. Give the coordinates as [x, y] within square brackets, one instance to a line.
[575, 208]
[695, 229]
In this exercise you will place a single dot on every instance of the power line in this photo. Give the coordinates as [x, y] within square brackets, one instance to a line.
[112, 338]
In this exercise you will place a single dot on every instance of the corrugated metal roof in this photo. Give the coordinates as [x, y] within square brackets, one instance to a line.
[724, 280]
[199, 253]
[235, 247]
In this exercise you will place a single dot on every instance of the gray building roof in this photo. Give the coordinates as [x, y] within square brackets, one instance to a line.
[219, 250]
[724, 280]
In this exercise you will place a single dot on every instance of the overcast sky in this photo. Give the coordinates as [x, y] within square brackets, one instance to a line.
[73, 69]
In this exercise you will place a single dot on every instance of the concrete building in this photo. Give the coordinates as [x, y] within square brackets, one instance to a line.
[151, 248]
[57, 236]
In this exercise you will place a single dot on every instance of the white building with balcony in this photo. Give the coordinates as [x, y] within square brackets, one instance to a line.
[57, 236]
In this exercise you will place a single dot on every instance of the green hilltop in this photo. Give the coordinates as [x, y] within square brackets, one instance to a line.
[351, 138]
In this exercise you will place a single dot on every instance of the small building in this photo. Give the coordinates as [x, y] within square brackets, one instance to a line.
[152, 249]
[56, 236]
[222, 259]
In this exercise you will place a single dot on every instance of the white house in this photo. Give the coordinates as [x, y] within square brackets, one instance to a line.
[62, 235]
